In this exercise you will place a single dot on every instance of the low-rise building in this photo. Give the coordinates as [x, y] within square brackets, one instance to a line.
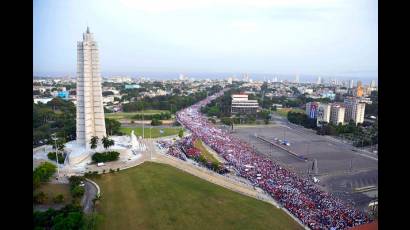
[277, 106]
[132, 86]
[42, 100]
[242, 105]
[63, 94]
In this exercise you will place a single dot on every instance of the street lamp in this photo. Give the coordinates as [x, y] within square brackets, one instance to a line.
[55, 138]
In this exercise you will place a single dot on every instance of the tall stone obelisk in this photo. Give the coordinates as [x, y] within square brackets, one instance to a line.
[90, 110]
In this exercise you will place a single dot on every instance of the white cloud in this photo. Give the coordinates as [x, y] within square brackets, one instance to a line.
[245, 26]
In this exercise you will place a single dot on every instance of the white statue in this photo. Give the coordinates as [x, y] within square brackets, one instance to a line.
[134, 141]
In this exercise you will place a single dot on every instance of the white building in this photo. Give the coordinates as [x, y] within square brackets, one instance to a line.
[319, 80]
[241, 104]
[108, 99]
[354, 110]
[307, 90]
[230, 80]
[351, 84]
[323, 114]
[373, 84]
[42, 100]
[337, 114]
[90, 110]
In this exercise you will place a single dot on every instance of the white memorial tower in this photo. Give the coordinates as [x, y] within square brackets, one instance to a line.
[90, 110]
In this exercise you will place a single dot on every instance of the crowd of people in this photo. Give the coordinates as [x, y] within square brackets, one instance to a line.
[315, 208]
[173, 149]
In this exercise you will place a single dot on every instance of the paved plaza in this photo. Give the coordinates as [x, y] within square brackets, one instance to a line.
[341, 167]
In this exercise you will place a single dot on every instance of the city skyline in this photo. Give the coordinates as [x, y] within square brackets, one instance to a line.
[337, 38]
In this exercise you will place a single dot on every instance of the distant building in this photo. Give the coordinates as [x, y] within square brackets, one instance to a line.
[337, 114]
[323, 114]
[354, 110]
[230, 80]
[242, 105]
[311, 109]
[63, 94]
[373, 84]
[277, 106]
[308, 91]
[121, 79]
[319, 80]
[329, 95]
[351, 84]
[133, 86]
[42, 100]
[181, 77]
[366, 100]
[359, 89]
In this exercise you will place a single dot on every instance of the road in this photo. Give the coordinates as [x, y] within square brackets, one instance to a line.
[89, 194]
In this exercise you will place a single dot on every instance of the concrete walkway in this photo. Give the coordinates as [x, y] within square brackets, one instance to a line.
[89, 194]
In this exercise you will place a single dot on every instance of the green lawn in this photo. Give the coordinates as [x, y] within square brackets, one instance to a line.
[123, 115]
[154, 131]
[284, 112]
[208, 156]
[52, 190]
[158, 196]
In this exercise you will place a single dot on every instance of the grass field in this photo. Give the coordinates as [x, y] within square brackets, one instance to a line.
[157, 196]
[154, 131]
[122, 115]
[208, 156]
[52, 190]
[284, 112]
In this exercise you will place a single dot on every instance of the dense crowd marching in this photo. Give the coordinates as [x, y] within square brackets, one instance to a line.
[315, 208]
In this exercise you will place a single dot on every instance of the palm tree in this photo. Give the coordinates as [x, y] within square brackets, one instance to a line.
[94, 142]
[110, 143]
[105, 141]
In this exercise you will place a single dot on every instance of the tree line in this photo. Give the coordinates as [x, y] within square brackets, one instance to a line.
[172, 103]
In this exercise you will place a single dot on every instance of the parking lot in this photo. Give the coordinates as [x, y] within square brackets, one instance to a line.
[339, 169]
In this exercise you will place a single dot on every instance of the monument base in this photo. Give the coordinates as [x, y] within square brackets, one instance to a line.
[76, 153]
[79, 154]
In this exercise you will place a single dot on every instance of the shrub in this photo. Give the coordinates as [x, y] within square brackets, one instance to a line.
[156, 122]
[77, 192]
[181, 133]
[112, 170]
[202, 159]
[52, 156]
[105, 156]
[103, 171]
[75, 181]
[58, 199]
[118, 169]
[39, 198]
[43, 173]
[215, 166]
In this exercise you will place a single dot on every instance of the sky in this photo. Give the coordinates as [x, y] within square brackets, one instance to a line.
[295, 37]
